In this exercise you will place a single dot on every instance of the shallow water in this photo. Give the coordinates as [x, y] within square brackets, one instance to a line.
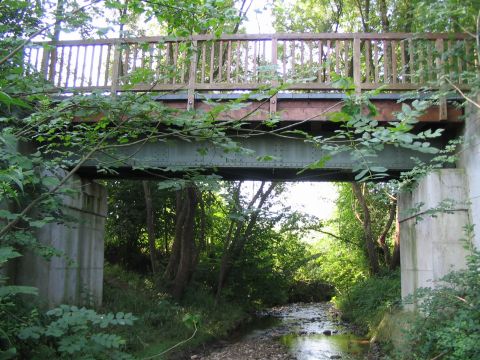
[302, 328]
[313, 347]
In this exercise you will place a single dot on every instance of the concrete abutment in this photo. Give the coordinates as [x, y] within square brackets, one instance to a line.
[77, 276]
[432, 219]
[431, 234]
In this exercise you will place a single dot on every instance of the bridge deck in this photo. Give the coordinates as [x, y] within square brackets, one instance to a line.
[297, 62]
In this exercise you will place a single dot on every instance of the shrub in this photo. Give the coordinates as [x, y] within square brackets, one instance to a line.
[310, 291]
[77, 333]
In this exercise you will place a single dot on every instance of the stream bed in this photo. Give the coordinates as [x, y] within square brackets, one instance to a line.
[295, 331]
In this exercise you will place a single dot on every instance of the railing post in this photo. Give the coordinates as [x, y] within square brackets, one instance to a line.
[53, 63]
[357, 80]
[274, 98]
[192, 77]
[45, 58]
[115, 68]
[442, 101]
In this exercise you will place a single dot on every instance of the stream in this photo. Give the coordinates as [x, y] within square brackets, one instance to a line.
[296, 331]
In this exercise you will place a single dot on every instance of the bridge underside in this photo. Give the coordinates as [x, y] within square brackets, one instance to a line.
[269, 157]
[265, 157]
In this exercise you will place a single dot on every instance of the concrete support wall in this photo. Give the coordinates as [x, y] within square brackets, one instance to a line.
[470, 162]
[431, 247]
[77, 277]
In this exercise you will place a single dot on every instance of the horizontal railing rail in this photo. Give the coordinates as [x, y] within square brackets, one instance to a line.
[393, 61]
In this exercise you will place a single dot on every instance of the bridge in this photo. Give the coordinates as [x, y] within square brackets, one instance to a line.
[304, 67]
[183, 73]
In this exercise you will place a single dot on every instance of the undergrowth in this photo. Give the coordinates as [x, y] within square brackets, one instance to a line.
[366, 302]
[163, 323]
[447, 322]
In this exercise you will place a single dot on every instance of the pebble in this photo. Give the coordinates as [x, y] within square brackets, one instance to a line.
[251, 349]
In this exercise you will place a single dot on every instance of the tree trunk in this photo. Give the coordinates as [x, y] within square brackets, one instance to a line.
[165, 229]
[150, 225]
[186, 232]
[367, 230]
[202, 229]
[173, 261]
[386, 229]
[384, 16]
[364, 14]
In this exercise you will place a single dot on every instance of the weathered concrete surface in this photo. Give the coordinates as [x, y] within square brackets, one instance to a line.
[470, 161]
[431, 247]
[77, 277]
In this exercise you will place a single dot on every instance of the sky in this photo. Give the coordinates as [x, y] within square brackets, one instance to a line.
[259, 19]
[314, 198]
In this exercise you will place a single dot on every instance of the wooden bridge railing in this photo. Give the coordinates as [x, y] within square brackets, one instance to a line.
[398, 61]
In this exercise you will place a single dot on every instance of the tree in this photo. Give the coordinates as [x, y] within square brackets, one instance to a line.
[337, 16]
[241, 226]
[387, 203]
[150, 225]
[365, 220]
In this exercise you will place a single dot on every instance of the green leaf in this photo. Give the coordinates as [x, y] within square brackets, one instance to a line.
[31, 332]
[267, 158]
[378, 169]
[7, 215]
[5, 99]
[319, 164]
[191, 320]
[8, 101]
[6, 253]
[339, 116]
[361, 175]
[50, 181]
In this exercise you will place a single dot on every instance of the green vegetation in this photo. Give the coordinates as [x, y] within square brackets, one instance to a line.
[366, 303]
[362, 295]
[190, 258]
[75, 333]
[162, 322]
[448, 320]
